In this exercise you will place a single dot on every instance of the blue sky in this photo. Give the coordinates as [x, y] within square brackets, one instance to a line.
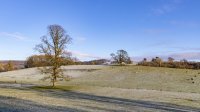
[144, 28]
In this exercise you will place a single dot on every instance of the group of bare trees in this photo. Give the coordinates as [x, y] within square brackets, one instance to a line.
[53, 53]
[170, 63]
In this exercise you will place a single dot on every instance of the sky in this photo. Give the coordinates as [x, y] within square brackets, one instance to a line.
[144, 28]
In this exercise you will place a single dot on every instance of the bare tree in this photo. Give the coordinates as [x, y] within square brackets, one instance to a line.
[53, 47]
[121, 57]
[145, 60]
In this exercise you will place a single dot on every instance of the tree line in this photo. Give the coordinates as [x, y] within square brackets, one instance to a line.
[53, 55]
[42, 61]
[170, 63]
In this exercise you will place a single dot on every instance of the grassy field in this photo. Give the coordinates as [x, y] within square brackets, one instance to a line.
[91, 84]
[141, 77]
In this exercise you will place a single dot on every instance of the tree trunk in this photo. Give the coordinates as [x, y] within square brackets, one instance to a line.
[53, 82]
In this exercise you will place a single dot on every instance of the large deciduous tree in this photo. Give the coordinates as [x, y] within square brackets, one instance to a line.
[53, 46]
[121, 57]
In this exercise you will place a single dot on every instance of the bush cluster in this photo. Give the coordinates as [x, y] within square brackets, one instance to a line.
[183, 64]
[42, 60]
[7, 67]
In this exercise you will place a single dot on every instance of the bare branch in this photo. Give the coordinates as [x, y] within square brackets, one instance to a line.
[53, 46]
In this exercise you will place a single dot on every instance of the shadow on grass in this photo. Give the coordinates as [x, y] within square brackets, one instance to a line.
[10, 104]
[66, 92]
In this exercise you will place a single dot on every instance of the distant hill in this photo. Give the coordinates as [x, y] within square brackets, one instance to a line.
[19, 64]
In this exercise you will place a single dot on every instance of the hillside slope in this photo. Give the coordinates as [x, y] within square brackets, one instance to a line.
[103, 87]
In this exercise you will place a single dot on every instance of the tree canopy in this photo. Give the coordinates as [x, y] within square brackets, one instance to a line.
[121, 57]
[53, 47]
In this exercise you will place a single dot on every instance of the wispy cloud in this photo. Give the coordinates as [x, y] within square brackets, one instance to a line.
[186, 55]
[155, 31]
[79, 40]
[84, 56]
[15, 35]
[166, 43]
[163, 9]
[172, 45]
[187, 48]
[184, 23]
[167, 7]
